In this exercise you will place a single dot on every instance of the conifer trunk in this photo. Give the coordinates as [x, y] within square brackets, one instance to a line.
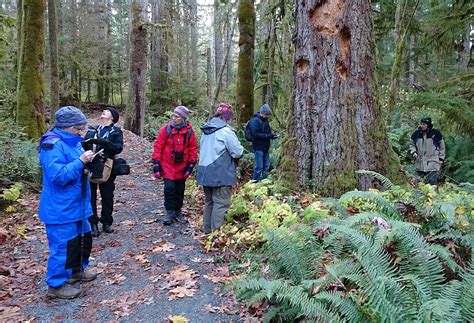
[135, 112]
[53, 48]
[30, 90]
[245, 95]
[336, 125]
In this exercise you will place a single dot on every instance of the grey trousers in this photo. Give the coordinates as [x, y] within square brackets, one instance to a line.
[216, 206]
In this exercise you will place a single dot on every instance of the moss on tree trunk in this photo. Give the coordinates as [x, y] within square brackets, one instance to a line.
[135, 111]
[30, 90]
[245, 95]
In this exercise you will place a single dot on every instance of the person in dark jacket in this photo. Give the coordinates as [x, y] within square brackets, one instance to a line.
[261, 136]
[427, 147]
[174, 157]
[108, 137]
[65, 203]
[220, 149]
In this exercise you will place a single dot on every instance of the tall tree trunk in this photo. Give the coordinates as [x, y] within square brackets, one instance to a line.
[222, 67]
[159, 54]
[30, 92]
[73, 68]
[194, 51]
[108, 62]
[217, 30]
[336, 125]
[53, 48]
[271, 62]
[19, 33]
[411, 61]
[245, 95]
[400, 45]
[135, 112]
[209, 74]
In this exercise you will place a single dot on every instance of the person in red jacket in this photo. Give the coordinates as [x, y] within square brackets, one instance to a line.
[174, 157]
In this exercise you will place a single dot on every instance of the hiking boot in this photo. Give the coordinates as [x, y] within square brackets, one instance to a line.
[179, 216]
[169, 217]
[65, 292]
[83, 276]
[107, 228]
[95, 230]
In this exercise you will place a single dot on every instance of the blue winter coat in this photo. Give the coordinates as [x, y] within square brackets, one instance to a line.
[61, 198]
[219, 147]
[261, 133]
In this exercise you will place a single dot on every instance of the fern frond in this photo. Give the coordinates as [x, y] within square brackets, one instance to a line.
[381, 204]
[344, 305]
[387, 184]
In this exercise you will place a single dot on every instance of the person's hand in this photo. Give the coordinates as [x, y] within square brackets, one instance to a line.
[87, 156]
[441, 162]
[189, 169]
[415, 155]
[157, 170]
[275, 135]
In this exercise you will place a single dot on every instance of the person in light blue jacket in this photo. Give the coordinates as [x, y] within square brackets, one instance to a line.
[65, 203]
[219, 151]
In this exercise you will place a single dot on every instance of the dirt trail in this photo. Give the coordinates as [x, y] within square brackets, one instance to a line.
[147, 272]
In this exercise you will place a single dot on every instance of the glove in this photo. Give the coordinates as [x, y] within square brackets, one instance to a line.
[188, 169]
[274, 136]
[157, 167]
[415, 155]
[157, 175]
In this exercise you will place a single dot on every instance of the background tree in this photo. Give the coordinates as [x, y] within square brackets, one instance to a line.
[53, 50]
[135, 112]
[336, 124]
[245, 80]
[30, 92]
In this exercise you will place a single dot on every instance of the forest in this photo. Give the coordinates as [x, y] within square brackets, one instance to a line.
[343, 229]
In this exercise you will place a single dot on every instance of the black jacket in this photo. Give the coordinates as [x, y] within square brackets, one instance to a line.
[109, 138]
[261, 133]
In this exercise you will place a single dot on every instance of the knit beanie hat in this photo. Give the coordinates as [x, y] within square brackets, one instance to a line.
[182, 112]
[265, 109]
[114, 113]
[427, 120]
[225, 110]
[69, 116]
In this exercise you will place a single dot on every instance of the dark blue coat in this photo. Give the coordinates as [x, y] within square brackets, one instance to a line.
[261, 133]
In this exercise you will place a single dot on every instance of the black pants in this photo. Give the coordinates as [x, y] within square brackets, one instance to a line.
[107, 194]
[174, 194]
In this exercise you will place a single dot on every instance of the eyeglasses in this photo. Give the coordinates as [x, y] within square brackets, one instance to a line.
[81, 129]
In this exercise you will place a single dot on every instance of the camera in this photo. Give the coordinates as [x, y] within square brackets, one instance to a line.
[178, 156]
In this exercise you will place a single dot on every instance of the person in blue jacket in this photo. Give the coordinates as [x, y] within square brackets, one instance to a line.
[261, 136]
[65, 203]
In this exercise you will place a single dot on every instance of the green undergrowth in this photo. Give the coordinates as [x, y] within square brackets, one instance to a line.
[401, 254]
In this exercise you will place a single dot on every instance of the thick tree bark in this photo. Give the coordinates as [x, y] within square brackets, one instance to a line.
[30, 91]
[245, 95]
[135, 112]
[53, 49]
[465, 54]
[336, 125]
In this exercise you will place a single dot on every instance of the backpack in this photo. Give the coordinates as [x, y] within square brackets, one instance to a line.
[248, 131]
[168, 132]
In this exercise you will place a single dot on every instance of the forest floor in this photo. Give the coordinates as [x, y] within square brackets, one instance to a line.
[146, 271]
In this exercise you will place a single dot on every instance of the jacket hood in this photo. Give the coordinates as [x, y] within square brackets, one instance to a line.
[213, 125]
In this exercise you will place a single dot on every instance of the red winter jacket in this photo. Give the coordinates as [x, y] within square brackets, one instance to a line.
[182, 140]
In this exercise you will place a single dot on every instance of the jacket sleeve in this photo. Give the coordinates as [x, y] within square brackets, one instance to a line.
[256, 132]
[412, 149]
[159, 144]
[232, 144]
[442, 150]
[114, 144]
[193, 155]
[58, 170]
